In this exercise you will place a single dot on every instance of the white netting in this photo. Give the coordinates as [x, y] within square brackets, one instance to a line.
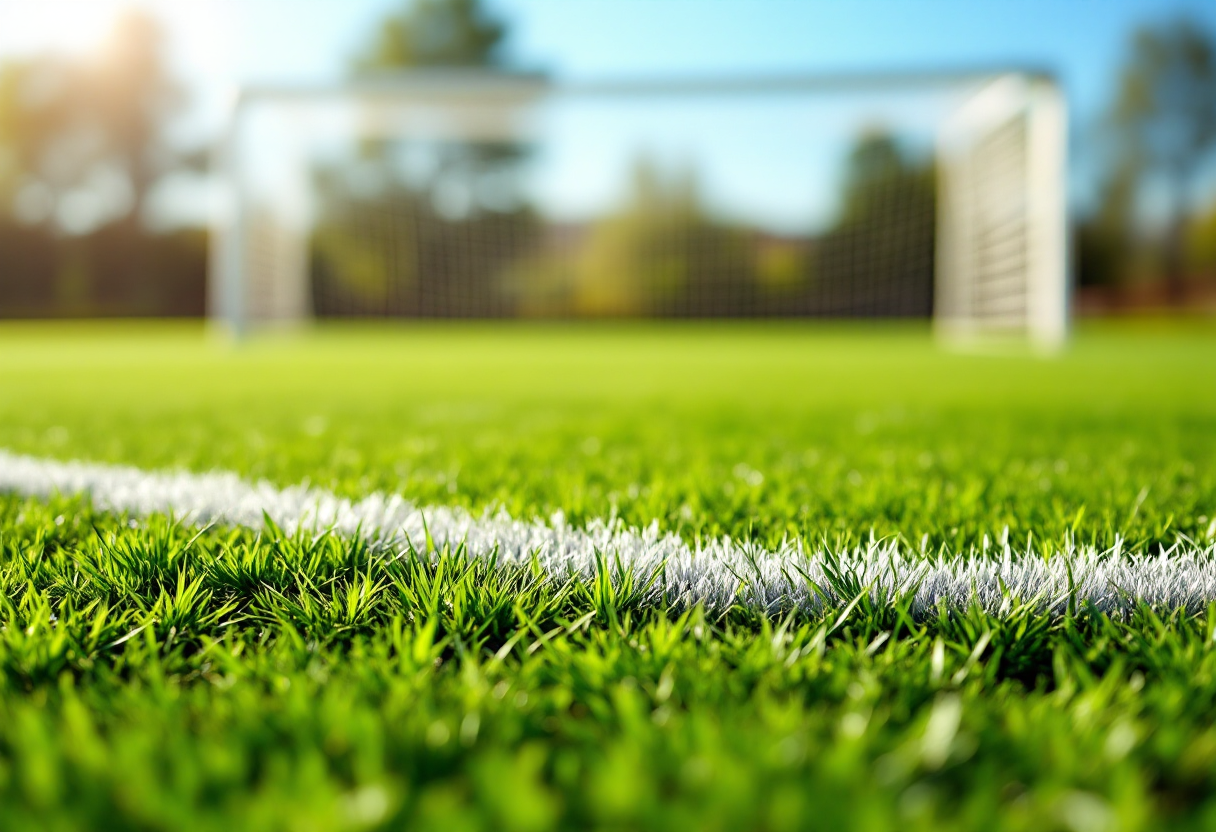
[462, 200]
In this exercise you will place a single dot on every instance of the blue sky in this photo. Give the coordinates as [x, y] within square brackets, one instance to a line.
[217, 44]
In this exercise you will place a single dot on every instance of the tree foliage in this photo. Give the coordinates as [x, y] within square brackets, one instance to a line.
[1163, 120]
[83, 145]
[82, 141]
[434, 33]
[663, 254]
[878, 257]
[1166, 104]
[465, 190]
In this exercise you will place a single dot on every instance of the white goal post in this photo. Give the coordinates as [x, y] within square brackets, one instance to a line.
[486, 218]
[1002, 242]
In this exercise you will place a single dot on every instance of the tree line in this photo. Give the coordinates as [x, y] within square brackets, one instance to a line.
[661, 253]
[85, 150]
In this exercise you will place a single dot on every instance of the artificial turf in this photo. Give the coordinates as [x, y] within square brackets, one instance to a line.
[156, 676]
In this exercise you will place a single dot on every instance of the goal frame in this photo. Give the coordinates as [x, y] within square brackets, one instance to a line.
[1036, 105]
[1004, 93]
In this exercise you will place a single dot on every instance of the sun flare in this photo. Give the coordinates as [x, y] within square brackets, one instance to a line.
[66, 26]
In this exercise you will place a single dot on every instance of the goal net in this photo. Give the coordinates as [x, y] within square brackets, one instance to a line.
[466, 195]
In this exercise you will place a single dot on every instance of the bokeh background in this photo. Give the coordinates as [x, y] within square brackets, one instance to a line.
[109, 112]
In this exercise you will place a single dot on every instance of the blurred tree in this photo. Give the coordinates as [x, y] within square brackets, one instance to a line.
[1164, 116]
[441, 34]
[434, 33]
[433, 200]
[82, 144]
[82, 141]
[878, 257]
[134, 98]
[1105, 239]
[38, 158]
[1202, 242]
[876, 166]
[659, 254]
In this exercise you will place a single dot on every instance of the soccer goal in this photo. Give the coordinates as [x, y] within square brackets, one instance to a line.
[473, 195]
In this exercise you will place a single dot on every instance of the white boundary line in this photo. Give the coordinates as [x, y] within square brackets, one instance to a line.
[718, 573]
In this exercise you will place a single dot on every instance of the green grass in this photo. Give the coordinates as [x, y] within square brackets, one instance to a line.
[848, 429]
[159, 677]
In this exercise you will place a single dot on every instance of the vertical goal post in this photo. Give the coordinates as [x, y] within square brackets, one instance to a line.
[1002, 241]
[998, 265]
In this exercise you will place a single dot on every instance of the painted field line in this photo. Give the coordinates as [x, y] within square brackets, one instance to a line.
[718, 573]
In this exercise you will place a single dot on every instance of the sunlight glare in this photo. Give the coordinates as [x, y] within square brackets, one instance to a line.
[62, 26]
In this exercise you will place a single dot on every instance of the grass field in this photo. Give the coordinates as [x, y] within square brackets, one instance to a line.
[159, 676]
